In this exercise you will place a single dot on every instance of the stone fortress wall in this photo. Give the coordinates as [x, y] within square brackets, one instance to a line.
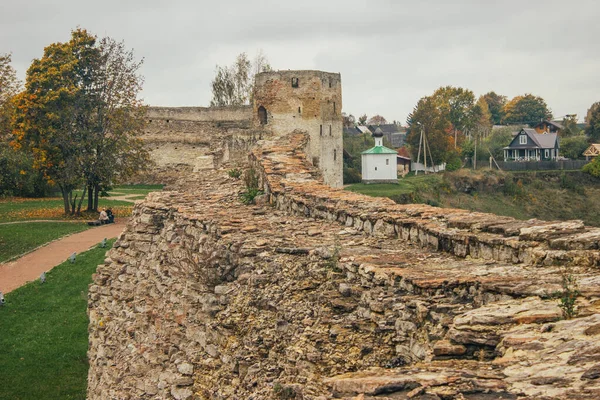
[184, 139]
[187, 139]
[317, 293]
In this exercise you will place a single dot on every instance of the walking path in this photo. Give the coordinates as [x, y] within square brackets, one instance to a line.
[29, 267]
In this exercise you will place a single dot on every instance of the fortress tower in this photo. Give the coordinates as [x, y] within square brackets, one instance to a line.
[310, 101]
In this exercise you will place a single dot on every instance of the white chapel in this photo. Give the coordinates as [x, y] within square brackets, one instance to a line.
[379, 163]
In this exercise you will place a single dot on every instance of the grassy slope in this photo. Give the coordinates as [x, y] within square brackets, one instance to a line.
[405, 186]
[44, 334]
[19, 238]
[546, 199]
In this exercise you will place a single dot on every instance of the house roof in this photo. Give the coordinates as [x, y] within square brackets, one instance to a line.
[593, 150]
[541, 140]
[404, 153]
[363, 129]
[379, 150]
[553, 123]
[352, 131]
[386, 128]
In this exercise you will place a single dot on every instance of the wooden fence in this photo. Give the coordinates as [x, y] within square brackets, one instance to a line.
[540, 165]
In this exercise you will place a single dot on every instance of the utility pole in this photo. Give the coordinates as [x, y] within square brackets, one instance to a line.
[424, 150]
[475, 155]
[419, 153]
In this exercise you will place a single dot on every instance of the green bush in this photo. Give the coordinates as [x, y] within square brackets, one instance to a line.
[235, 173]
[351, 175]
[573, 147]
[593, 168]
[454, 162]
[17, 176]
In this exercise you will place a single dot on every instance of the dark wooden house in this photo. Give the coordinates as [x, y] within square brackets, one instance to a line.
[528, 145]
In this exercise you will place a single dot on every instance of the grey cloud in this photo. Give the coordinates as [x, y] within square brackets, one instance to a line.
[390, 53]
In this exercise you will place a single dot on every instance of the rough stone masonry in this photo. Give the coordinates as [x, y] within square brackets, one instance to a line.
[318, 293]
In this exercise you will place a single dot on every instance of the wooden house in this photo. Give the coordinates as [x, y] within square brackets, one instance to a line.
[547, 127]
[528, 145]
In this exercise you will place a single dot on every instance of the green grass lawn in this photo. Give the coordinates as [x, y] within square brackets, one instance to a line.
[19, 238]
[405, 185]
[43, 334]
[139, 189]
[22, 209]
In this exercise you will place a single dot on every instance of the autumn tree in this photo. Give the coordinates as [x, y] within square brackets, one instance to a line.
[79, 114]
[348, 120]
[113, 149]
[496, 105]
[592, 123]
[9, 87]
[233, 85]
[362, 120]
[526, 109]
[570, 128]
[377, 120]
[457, 105]
[427, 119]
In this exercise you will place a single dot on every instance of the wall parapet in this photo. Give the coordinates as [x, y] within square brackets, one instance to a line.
[294, 186]
[204, 114]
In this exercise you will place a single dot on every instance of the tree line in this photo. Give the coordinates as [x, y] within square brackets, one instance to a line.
[455, 122]
[76, 122]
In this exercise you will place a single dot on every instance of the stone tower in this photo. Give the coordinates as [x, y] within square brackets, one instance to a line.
[310, 101]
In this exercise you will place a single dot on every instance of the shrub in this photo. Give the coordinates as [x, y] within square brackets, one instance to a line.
[351, 175]
[568, 295]
[593, 168]
[573, 147]
[252, 190]
[453, 163]
[235, 173]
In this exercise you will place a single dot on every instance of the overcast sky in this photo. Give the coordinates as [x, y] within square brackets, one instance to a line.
[390, 53]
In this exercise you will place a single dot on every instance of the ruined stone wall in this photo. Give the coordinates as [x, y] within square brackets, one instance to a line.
[317, 293]
[182, 140]
[289, 182]
[309, 101]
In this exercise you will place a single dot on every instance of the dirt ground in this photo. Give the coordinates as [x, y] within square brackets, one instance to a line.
[29, 267]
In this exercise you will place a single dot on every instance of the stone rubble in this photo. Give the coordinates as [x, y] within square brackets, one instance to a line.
[317, 293]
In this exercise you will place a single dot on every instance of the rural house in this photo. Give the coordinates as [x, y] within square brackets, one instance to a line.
[548, 127]
[528, 145]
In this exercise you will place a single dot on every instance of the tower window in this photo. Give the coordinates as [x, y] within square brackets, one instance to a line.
[294, 82]
[330, 83]
[334, 107]
[334, 154]
[329, 130]
[387, 161]
[321, 129]
[299, 110]
[262, 115]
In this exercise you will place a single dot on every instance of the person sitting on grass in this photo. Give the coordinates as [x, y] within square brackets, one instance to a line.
[111, 216]
[103, 217]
